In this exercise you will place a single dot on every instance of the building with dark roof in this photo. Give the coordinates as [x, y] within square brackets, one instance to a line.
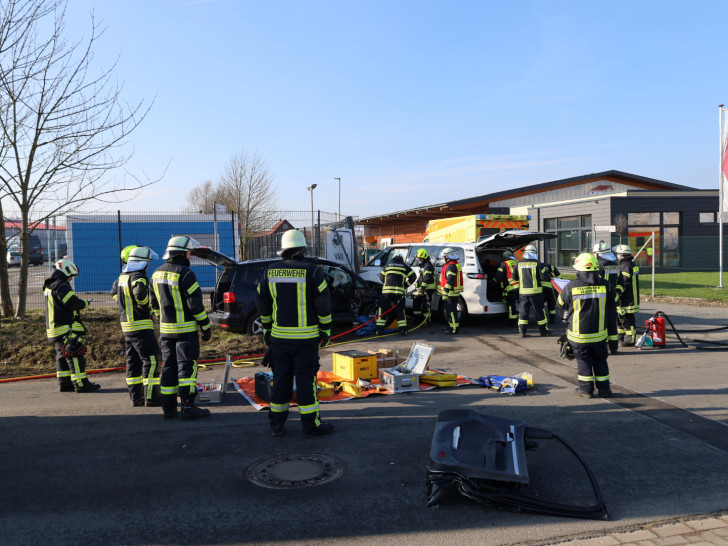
[610, 206]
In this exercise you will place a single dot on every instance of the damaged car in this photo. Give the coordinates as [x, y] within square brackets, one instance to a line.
[232, 301]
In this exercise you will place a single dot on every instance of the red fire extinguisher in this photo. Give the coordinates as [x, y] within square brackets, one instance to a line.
[656, 326]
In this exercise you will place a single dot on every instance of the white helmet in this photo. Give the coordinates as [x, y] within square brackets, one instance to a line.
[179, 245]
[292, 240]
[530, 247]
[601, 246]
[139, 257]
[449, 253]
[622, 250]
[67, 267]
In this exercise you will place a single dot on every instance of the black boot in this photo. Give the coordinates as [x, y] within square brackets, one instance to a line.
[65, 385]
[136, 394]
[87, 386]
[190, 410]
[169, 405]
[402, 330]
[545, 332]
[613, 347]
[277, 419]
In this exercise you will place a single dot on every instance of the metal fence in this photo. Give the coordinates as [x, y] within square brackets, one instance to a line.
[94, 240]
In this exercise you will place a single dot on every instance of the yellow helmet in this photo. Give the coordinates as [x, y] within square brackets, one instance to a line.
[586, 262]
[127, 252]
[422, 253]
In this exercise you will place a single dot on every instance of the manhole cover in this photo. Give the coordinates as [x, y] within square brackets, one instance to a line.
[295, 470]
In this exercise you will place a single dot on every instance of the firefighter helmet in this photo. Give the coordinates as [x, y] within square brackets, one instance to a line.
[180, 245]
[293, 239]
[143, 254]
[449, 253]
[508, 255]
[422, 253]
[127, 252]
[622, 250]
[67, 267]
[601, 246]
[530, 247]
[586, 262]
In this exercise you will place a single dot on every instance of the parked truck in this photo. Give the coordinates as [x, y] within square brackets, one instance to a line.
[468, 229]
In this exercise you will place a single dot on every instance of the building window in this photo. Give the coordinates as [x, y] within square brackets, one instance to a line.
[573, 236]
[641, 227]
[707, 217]
[643, 218]
[671, 218]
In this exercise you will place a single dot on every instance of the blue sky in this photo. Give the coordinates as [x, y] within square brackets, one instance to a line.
[416, 102]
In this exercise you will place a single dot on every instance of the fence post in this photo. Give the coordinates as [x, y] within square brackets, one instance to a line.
[653, 264]
[118, 227]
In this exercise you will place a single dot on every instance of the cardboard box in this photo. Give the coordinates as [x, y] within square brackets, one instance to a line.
[353, 365]
[385, 358]
[405, 376]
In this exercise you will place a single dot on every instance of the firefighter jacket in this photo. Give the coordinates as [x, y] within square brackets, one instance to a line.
[131, 292]
[294, 301]
[629, 280]
[451, 279]
[177, 298]
[62, 307]
[549, 272]
[609, 271]
[504, 275]
[426, 278]
[586, 300]
[528, 274]
[396, 277]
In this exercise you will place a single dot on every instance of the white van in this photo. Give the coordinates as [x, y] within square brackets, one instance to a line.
[481, 293]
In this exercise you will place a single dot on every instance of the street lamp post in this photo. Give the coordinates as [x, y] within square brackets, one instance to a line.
[311, 188]
[338, 216]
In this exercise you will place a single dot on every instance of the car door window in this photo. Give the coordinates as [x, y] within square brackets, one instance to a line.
[401, 252]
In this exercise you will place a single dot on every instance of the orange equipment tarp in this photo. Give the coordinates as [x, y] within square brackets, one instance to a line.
[246, 387]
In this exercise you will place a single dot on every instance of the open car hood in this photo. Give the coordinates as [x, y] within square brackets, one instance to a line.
[213, 256]
[513, 239]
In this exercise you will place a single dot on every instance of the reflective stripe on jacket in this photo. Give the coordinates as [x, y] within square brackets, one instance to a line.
[294, 301]
[528, 274]
[132, 297]
[586, 306]
[178, 298]
[629, 280]
[61, 307]
[426, 280]
[451, 279]
[396, 277]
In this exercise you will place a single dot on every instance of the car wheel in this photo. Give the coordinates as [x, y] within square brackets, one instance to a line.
[254, 326]
[370, 310]
[462, 310]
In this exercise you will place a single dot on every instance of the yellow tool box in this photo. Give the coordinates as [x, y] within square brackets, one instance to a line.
[440, 379]
[354, 365]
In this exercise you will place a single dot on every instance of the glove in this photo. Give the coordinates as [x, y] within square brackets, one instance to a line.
[324, 338]
[88, 303]
[266, 337]
[206, 334]
[266, 362]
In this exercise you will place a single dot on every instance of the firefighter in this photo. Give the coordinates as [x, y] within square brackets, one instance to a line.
[131, 292]
[295, 308]
[509, 285]
[530, 293]
[65, 329]
[396, 277]
[424, 287]
[629, 298]
[586, 300]
[449, 289]
[609, 271]
[177, 299]
[548, 272]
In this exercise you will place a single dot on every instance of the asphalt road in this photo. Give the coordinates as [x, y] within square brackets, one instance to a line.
[90, 469]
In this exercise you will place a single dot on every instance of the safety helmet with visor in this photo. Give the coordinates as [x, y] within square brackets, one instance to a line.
[180, 244]
[586, 262]
[126, 252]
[292, 242]
[422, 253]
[139, 258]
[599, 247]
[449, 253]
[67, 267]
[622, 250]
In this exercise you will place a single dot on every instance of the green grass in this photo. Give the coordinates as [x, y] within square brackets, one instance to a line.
[700, 285]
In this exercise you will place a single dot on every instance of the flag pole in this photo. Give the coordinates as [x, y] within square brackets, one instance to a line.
[721, 212]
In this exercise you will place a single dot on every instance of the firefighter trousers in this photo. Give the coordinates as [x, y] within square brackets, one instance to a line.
[627, 332]
[612, 333]
[452, 315]
[179, 372]
[591, 365]
[386, 301]
[421, 305]
[71, 370]
[549, 297]
[299, 360]
[511, 302]
[142, 365]
[525, 303]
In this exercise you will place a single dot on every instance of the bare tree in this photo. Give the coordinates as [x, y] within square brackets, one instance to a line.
[620, 225]
[246, 188]
[63, 127]
[202, 198]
